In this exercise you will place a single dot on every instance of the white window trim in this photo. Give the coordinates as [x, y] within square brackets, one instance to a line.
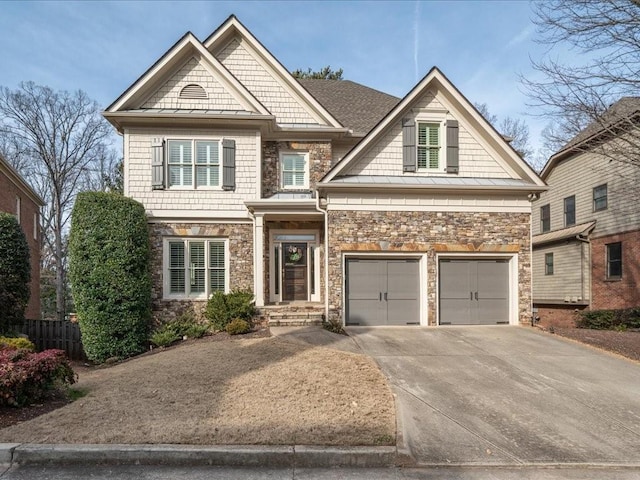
[306, 170]
[193, 139]
[18, 209]
[35, 226]
[442, 161]
[166, 287]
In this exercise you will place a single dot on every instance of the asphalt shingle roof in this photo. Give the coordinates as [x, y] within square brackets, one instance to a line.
[357, 107]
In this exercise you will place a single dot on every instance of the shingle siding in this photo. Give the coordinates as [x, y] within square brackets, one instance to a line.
[193, 72]
[138, 174]
[262, 84]
[385, 156]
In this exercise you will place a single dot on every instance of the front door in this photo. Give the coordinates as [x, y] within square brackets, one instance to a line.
[294, 271]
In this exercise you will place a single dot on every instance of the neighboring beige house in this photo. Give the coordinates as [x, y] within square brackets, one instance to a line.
[586, 242]
[19, 199]
[323, 197]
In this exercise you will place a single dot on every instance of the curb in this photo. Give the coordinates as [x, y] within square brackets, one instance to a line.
[302, 456]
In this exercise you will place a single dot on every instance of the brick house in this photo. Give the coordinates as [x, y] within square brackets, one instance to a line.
[19, 199]
[586, 242]
[323, 197]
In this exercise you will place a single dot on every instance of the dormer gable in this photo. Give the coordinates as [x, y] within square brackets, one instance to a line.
[267, 79]
[434, 136]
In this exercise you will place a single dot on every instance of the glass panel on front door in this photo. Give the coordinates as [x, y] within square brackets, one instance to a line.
[294, 271]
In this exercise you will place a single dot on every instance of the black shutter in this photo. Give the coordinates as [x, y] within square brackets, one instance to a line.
[157, 164]
[408, 145]
[228, 164]
[452, 146]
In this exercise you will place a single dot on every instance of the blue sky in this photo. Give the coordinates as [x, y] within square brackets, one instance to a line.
[103, 47]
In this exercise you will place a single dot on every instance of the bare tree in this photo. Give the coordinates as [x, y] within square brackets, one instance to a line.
[325, 73]
[587, 97]
[56, 139]
[514, 130]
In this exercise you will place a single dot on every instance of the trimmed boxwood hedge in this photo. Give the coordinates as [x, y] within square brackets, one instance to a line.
[109, 272]
[15, 272]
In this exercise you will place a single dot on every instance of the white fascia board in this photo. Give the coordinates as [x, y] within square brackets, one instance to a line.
[317, 110]
[323, 186]
[197, 216]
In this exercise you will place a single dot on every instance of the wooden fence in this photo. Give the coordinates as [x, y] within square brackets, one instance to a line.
[47, 334]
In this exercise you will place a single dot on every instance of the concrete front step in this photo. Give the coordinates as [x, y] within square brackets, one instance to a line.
[294, 319]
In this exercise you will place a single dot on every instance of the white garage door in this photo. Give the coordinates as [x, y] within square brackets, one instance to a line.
[382, 292]
[474, 292]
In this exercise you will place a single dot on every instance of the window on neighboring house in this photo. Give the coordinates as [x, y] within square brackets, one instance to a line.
[35, 226]
[295, 170]
[195, 268]
[429, 146]
[18, 208]
[548, 263]
[614, 260]
[194, 163]
[600, 198]
[570, 211]
[545, 218]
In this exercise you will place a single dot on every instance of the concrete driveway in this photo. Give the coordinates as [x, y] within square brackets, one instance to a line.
[507, 396]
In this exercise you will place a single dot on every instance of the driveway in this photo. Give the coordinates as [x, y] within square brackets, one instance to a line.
[507, 395]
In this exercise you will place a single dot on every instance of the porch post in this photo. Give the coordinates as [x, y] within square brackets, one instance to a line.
[258, 260]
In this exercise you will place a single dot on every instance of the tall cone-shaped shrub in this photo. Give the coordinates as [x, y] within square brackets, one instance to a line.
[15, 273]
[109, 273]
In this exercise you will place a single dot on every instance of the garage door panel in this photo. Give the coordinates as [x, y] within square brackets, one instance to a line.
[474, 292]
[382, 292]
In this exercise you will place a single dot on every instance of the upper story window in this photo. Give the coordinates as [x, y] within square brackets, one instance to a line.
[194, 163]
[600, 198]
[548, 263]
[614, 260]
[570, 211]
[195, 268]
[429, 146]
[295, 170]
[545, 218]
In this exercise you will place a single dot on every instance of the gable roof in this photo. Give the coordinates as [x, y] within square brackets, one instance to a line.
[231, 28]
[17, 179]
[617, 118]
[435, 78]
[181, 51]
[356, 106]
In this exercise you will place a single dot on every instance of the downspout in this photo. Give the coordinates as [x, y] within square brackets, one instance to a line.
[326, 255]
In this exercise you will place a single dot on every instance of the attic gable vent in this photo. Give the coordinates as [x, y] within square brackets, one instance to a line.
[193, 90]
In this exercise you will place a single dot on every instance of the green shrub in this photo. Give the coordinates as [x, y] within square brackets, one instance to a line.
[609, 319]
[164, 338]
[237, 326]
[17, 343]
[222, 308]
[109, 272]
[185, 325]
[15, 272]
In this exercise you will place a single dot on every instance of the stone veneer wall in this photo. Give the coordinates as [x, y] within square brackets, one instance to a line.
[430, 232]
[291, 225]
[319, 163]
[240, 261]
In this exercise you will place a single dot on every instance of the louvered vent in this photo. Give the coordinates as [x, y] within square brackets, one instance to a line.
[193, 90]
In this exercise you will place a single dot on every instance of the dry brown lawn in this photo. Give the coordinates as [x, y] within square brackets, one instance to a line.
[243, 391]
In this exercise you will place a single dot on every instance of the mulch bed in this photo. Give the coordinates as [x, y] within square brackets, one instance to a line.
[626, 343]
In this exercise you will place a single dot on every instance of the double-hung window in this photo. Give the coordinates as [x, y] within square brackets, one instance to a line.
[600, 198]
[194, 163]
[195, 268]
[295, 170]
[570, 211]
[545, 218]
[429, 146]
[548, 263]
[614, 260]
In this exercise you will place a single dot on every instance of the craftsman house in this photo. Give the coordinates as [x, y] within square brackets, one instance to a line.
[586, 242]
[323, 196]
[18, 198]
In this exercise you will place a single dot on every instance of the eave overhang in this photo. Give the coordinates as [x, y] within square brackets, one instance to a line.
[283, 207]
[377, 187]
